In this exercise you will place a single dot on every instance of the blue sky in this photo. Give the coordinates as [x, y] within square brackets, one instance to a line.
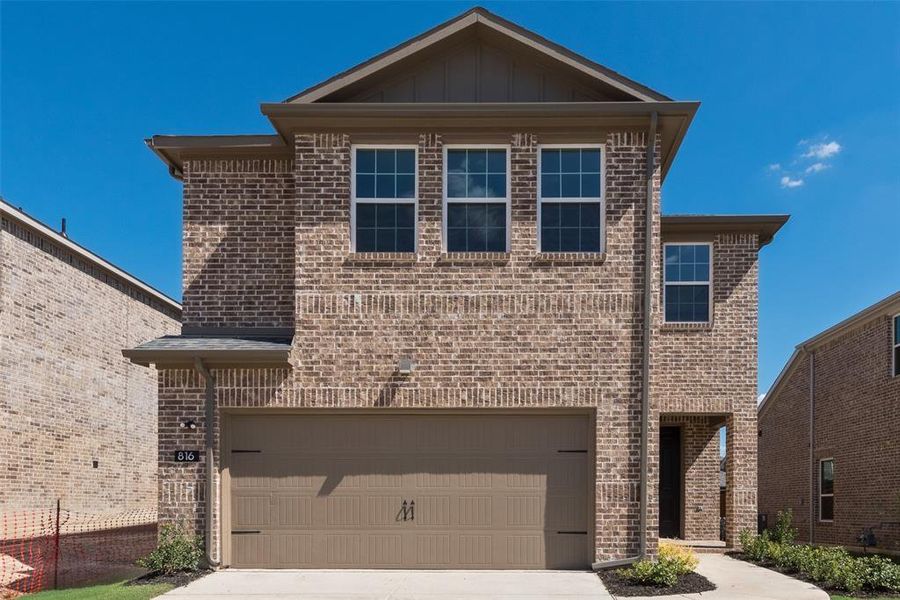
[784, 87]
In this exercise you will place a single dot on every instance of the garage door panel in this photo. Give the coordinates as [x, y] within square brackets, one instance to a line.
[251, 511]
[490, 491]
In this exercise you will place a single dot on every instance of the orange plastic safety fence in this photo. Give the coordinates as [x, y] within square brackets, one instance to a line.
[45, 549]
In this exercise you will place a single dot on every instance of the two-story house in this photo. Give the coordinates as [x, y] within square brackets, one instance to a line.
[427, 323]
[829, 433]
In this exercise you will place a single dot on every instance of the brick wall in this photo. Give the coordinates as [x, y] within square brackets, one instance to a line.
[67, 395]
[713, 369]
[857, 420]
[485, 330]
[238, 243]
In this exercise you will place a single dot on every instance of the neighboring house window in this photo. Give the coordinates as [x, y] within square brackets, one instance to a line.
[570, 199]
[476, 196]
[383, 211]
[687, 293]
[826, 489]
[896, 345]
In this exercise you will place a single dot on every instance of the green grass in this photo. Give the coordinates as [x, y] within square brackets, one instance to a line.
[110, 591]
[835, 597]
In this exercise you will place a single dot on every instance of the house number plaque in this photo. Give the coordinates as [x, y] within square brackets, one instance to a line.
[187, 456]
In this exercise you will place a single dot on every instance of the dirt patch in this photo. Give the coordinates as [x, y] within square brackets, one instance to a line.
[691, 583]
[176, 579]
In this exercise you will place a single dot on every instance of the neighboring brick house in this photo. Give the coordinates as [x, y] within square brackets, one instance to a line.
[77, 420]
[829, 433]
[415, 320]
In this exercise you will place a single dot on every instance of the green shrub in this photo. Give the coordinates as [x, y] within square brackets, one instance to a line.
[177, 551]
[662, 573]
[833, 568]
[673, 562]
[784, 532]
[880, 573]
[756, 547]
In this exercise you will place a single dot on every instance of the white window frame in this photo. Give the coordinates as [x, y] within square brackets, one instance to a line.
[447, 200]
[601, 200]
[665, 284]
[821, 495]
[354, 200]
[895, 368]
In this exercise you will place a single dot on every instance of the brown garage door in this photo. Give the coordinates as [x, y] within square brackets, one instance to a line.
[409, 491]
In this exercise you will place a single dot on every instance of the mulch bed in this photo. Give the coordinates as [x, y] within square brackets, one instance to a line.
[691, 583]
[176, 579]
[801, 577]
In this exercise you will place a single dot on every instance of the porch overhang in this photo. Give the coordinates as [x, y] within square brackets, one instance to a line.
[182, 351]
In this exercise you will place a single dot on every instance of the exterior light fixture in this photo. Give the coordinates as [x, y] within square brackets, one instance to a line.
[189, 424]
[406, 365]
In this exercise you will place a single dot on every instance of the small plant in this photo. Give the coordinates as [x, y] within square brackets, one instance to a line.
[177, 551]
[784, 532]
[682, 557]
[660, 573]
[673, 562]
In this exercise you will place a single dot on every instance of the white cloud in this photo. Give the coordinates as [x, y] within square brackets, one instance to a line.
[816, 167]
[823, 150]
[775, 167]
[760, 398]
[787, 182]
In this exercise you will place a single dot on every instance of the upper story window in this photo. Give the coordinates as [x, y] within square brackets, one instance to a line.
[383, 204]
[826, 489]
[570, 198]
[897, 346]
[476, 198]
[687, 290]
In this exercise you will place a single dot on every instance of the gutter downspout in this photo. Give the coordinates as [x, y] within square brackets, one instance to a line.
[209, 418]
[812, 457]
[647, 327]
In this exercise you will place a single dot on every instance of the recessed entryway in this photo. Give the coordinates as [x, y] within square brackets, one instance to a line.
[670, 482]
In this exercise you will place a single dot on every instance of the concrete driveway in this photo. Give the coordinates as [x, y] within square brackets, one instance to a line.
[394, 585]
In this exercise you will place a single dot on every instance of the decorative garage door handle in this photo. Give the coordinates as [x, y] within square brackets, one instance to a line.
[407, 511]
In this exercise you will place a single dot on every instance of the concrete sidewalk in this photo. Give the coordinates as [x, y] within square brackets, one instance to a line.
[739, 580]
[394, 585]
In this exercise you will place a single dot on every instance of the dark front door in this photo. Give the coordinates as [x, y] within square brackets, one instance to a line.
[669, 482]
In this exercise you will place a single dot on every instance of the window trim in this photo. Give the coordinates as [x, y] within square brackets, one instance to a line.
[709, 317]
[821, 495]
[354, 200]
[447, 200]
[601, 200]
[895, 367]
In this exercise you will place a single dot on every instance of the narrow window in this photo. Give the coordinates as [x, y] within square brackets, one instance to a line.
[384, 199]
[826, 489]
[896, 345]
[476, 193]
[687, 291]
[570, 199]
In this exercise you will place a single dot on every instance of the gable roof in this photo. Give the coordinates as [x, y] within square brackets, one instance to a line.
[473, 20]
[887, 306]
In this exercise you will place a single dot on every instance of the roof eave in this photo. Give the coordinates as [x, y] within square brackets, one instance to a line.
[45, 231]
[766, 226]
[172, 358]
[173, 150]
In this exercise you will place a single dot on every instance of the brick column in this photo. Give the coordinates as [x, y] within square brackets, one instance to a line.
[740, 474]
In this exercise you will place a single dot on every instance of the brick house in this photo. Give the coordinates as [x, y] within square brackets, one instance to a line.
[415, 320]
[77, 420]
[829, 433]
